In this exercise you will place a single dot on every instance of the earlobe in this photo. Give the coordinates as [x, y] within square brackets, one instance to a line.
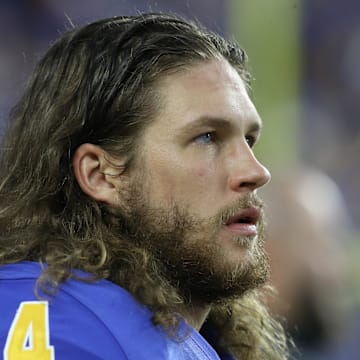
[96, 175]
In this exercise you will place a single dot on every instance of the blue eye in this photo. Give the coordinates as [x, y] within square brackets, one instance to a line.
[206, 138]
[251, 140]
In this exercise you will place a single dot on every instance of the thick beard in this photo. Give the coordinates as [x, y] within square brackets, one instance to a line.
[185, 249]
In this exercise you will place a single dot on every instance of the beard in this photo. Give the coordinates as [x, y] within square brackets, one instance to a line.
[187, 251]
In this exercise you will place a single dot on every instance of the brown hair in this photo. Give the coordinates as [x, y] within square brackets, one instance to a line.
[97, 84]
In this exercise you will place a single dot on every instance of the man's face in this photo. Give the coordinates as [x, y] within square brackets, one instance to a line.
[192, 200]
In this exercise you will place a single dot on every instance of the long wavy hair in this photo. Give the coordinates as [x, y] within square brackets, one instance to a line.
[98, 84]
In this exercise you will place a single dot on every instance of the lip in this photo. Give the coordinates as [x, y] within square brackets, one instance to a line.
[244, 222]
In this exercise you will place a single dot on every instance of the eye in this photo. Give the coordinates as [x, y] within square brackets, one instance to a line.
[206, 138]
[251, 140]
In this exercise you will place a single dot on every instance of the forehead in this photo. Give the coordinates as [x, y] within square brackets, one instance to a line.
[208, 89]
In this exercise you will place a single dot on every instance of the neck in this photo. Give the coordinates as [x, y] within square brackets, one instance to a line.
[196, 314]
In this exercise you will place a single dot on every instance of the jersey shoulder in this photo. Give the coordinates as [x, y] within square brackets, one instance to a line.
[84, 320]
[97, 320]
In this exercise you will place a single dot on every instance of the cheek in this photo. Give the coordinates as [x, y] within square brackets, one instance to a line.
[185, 180]
[180, 182]
[205, 179]
[165, 179]
[207, 172]
[209, 185]
[200, 173]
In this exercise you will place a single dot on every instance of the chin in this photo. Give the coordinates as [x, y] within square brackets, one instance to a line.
[239, 251]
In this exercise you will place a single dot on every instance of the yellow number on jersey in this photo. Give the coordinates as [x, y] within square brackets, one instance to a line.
[28, 337]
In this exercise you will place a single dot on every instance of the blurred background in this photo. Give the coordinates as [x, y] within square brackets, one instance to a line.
[305, 59]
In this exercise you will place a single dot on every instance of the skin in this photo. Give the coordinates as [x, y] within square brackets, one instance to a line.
[197, 153]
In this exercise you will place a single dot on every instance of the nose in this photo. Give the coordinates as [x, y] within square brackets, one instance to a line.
[248, 173]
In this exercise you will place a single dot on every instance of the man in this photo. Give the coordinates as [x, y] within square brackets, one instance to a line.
[130, 225]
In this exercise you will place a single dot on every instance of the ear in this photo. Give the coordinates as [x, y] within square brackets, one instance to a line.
[97, 173]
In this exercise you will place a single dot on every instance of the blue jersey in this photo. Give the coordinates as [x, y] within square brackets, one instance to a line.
[89, 321]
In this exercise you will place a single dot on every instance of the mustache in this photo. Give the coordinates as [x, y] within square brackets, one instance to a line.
[249, 201]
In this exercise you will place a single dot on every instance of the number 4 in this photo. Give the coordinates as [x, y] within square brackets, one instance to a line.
[28, 337]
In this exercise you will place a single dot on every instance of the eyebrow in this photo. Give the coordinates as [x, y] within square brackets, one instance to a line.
[216, 122]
